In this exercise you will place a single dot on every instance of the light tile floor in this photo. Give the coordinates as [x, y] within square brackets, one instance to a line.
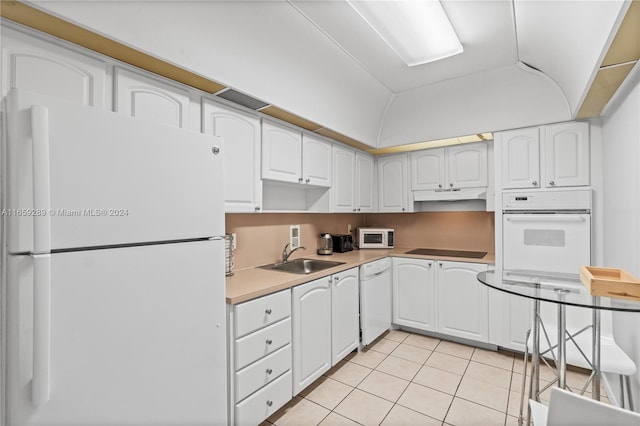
[410, 379]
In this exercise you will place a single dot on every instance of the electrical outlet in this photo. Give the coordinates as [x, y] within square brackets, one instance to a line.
[233, 241]
[349, 229]
[294, 237]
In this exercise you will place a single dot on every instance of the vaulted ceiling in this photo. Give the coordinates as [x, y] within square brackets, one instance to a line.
[525, 62]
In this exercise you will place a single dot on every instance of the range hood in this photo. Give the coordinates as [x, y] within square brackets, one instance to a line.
[451, 194]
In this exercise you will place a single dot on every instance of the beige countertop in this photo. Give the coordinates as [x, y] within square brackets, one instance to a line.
[249, 283]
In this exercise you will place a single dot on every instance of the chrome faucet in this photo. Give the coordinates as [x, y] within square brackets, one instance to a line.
[285, 255]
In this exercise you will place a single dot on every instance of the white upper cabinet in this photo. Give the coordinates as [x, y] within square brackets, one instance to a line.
[546, 157]
[462, 166]
[316, 161]
[365, 181]
[467, 165]
[521, 158]
[353, 181]
[38, 66]
[344, 180]
[566, 154]
[143, 97]
[393, 184]
[287, 156]
[281, 153]
[240, 133]
[428, 169]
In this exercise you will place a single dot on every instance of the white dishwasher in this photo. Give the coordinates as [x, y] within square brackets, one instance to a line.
[375, 299]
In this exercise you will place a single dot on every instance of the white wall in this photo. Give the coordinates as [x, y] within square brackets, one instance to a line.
[621, 205]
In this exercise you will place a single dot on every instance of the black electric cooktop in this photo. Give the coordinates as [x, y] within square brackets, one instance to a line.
[449, 253]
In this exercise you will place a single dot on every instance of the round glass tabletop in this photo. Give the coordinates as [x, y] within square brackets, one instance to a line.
[555, 288]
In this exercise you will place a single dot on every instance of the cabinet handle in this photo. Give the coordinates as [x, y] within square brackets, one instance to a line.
[269, 403]
[269, 341]
[535, 183]
[354, 210]
[358, 209]
[429, 265]
[269, 371]
[439, 185]
[440, 264]
[552, 183]
[268, 311]
[300, 180]
[336, 278]
[403, 209]
[451, 185]
[308, 180]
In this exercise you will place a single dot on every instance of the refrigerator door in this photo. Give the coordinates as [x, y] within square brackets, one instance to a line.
[124, 336]
[83, 177]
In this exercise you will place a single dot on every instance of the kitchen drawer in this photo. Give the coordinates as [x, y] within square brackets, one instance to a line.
[263, 342]
[258, 374]
[255, 314]
[265, 402]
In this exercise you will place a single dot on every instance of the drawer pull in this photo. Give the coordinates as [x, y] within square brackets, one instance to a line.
[269, 371]
[269, 341]
[269, 403]
[268, 311]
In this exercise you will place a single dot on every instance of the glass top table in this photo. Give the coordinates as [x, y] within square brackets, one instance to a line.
[563, 290]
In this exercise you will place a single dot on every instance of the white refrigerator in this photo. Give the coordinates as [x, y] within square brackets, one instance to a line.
[113, 282]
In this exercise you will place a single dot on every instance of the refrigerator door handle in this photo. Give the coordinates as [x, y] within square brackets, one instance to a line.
[41, 328]
[41, 179]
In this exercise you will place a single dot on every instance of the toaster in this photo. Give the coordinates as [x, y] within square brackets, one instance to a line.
[342, 243]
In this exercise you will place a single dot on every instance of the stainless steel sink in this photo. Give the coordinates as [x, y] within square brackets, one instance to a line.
[302, 266]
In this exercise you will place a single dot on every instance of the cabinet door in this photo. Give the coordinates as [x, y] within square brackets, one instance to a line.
[414, 293]
[467, 165]
[463, 302]
[428, 169]
[281, 153]
[311, 331]
[517, 312]
[392, 183]
[241, 136]
[566, 154]
[343, 188]
[31, 64]
[364, 182]
[520, 158]
[143, 97]
[316, 161]
[345, 297]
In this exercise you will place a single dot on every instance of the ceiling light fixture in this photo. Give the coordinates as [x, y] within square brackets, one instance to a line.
[418, 31]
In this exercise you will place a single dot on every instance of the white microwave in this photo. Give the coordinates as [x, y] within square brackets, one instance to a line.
[375, 238]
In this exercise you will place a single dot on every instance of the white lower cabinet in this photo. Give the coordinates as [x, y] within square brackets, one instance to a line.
[414, 293]
[345, 333]
[260, 361]
[516, 311]
[441, 296]
[311, 310]
[463, 302]
[325, 315]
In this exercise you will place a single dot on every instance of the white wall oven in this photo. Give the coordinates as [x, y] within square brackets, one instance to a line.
[547, 231]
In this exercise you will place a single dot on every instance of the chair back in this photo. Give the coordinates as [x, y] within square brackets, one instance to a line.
[566, 408]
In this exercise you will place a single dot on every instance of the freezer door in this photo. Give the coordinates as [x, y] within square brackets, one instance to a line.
[128, 336]
[82, 177]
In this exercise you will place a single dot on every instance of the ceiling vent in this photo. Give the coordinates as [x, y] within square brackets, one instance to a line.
[242, 99]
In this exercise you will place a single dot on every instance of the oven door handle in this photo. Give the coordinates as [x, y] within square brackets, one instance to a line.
[574, 218]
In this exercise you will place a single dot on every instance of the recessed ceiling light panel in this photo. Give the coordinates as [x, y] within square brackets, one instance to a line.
[419, 31]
